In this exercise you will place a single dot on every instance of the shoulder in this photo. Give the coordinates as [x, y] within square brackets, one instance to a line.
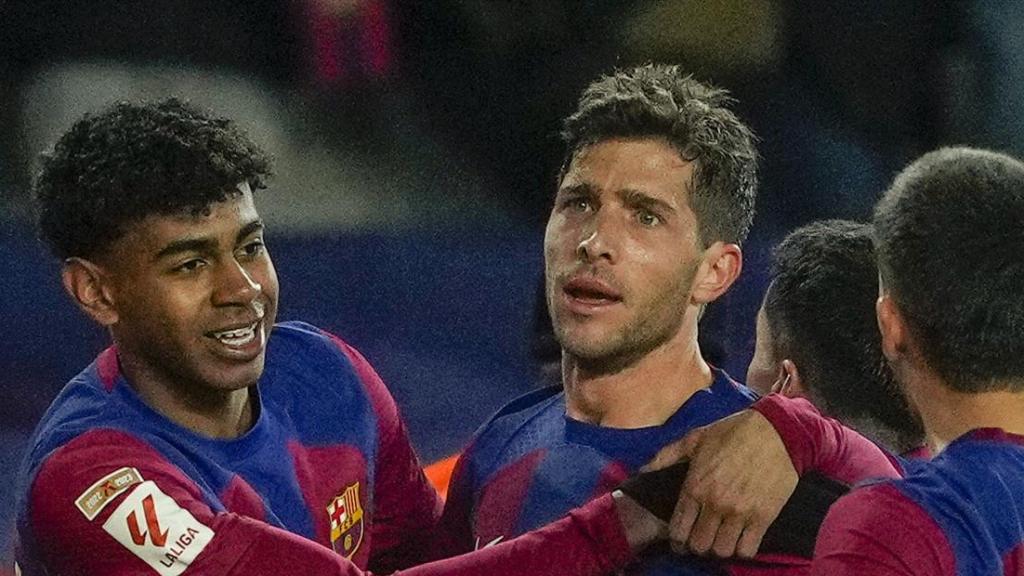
[521, 426]
[303, 359]
[521, 412]
[84, 404]
[877, 529]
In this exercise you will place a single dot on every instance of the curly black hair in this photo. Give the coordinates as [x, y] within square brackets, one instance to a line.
[820, 308]
[660, 101]
[135, 160]
[950, 235]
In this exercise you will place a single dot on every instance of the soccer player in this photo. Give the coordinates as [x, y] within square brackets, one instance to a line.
[951, 263]
[655, 196]
[817, 336]
[208, 439]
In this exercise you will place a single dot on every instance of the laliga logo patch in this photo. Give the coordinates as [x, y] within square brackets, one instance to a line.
[346, 516]
[151, 525]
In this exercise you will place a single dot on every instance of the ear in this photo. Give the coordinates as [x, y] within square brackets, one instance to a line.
[87, 285]
[892, 326]
[789, 383]
[717, 271]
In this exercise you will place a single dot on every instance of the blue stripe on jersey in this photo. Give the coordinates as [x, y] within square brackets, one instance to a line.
[306, 378]
[974, 490]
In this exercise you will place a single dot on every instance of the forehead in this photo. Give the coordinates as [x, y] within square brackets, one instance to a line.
[218, 219]
[636, 163]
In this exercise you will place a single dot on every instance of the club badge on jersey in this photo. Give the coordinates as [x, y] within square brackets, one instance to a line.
[346, 516]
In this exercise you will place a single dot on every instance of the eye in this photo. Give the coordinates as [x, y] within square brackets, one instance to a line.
[190, 265]
[576, 204]
[253, 248]
[648, 218]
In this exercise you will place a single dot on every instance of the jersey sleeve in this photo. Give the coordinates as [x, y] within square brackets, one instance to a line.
[815, 442]
[406, 508]
[876, 530]
[108, 503]
[455, 531]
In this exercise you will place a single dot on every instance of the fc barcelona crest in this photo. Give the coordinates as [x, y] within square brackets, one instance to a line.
[346, 516]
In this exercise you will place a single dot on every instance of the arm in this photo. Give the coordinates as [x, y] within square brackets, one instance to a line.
[742, 472]
[815, 442]
[153, 517]
[876, 530]
[455, 531]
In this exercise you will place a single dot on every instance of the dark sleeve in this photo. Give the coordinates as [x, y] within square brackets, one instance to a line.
[109, 504]
[455, 531]
[406, 508]
[876, 530]
[822, 444]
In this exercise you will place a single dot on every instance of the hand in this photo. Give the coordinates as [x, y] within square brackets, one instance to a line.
[641, 526]
[740, 477]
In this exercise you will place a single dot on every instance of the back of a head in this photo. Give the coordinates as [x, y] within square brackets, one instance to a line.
[950, 235]
[821, 310]
[661, 102]
[132, 161]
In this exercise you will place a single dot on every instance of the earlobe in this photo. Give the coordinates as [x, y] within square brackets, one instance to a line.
[85, 282]
[718, 271]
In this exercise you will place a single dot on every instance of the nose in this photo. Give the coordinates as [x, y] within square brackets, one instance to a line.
[598, 240]
[236, 285]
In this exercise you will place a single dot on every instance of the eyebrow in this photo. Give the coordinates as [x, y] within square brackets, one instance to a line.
[204, 244]
[640, 199]
[577, 188]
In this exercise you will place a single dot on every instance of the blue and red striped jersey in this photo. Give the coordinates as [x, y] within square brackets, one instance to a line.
[531, 463]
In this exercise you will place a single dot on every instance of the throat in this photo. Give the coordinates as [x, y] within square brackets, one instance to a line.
[632, 398]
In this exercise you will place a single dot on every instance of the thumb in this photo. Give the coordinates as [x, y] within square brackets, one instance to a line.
[673, 452]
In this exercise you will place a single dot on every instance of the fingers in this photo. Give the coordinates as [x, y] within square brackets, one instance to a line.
[727, 538]
[670, 454]
[705, 529]
[701, 530]
[750, 539]
[682, 523]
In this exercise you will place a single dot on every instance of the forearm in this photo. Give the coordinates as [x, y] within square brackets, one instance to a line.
[815, 442]
[600, 537]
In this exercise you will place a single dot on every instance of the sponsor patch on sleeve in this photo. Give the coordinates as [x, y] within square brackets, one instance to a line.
[155, 528]
[92, 501]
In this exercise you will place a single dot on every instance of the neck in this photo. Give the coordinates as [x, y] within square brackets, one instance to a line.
[645, 393]
[221, 414]
[948, 414]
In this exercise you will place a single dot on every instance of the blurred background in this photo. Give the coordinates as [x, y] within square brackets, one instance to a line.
[416, 151]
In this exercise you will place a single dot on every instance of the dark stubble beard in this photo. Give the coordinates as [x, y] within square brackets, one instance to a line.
[659, 322]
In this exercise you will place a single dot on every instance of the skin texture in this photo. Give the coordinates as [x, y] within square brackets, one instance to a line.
[165, 288]
[720, 511]
[763, 372]
[627, 276]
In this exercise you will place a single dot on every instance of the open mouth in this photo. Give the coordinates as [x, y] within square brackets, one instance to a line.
[237, 337]
[591, 291]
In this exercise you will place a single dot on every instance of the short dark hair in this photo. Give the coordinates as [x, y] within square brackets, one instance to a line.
[660, 101]
[820, 309]
[132, 161]
[950, 234]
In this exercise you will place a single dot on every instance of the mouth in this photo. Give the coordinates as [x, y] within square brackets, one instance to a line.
[243, 342]
[237, 337]
[589, 293]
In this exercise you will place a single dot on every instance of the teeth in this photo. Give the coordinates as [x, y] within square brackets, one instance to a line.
[238, 337]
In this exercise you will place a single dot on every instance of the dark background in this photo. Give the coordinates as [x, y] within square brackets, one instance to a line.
[417, 149]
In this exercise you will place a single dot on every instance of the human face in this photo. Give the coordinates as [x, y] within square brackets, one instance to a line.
[195, 297]
[763, 371]
[621, 250]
